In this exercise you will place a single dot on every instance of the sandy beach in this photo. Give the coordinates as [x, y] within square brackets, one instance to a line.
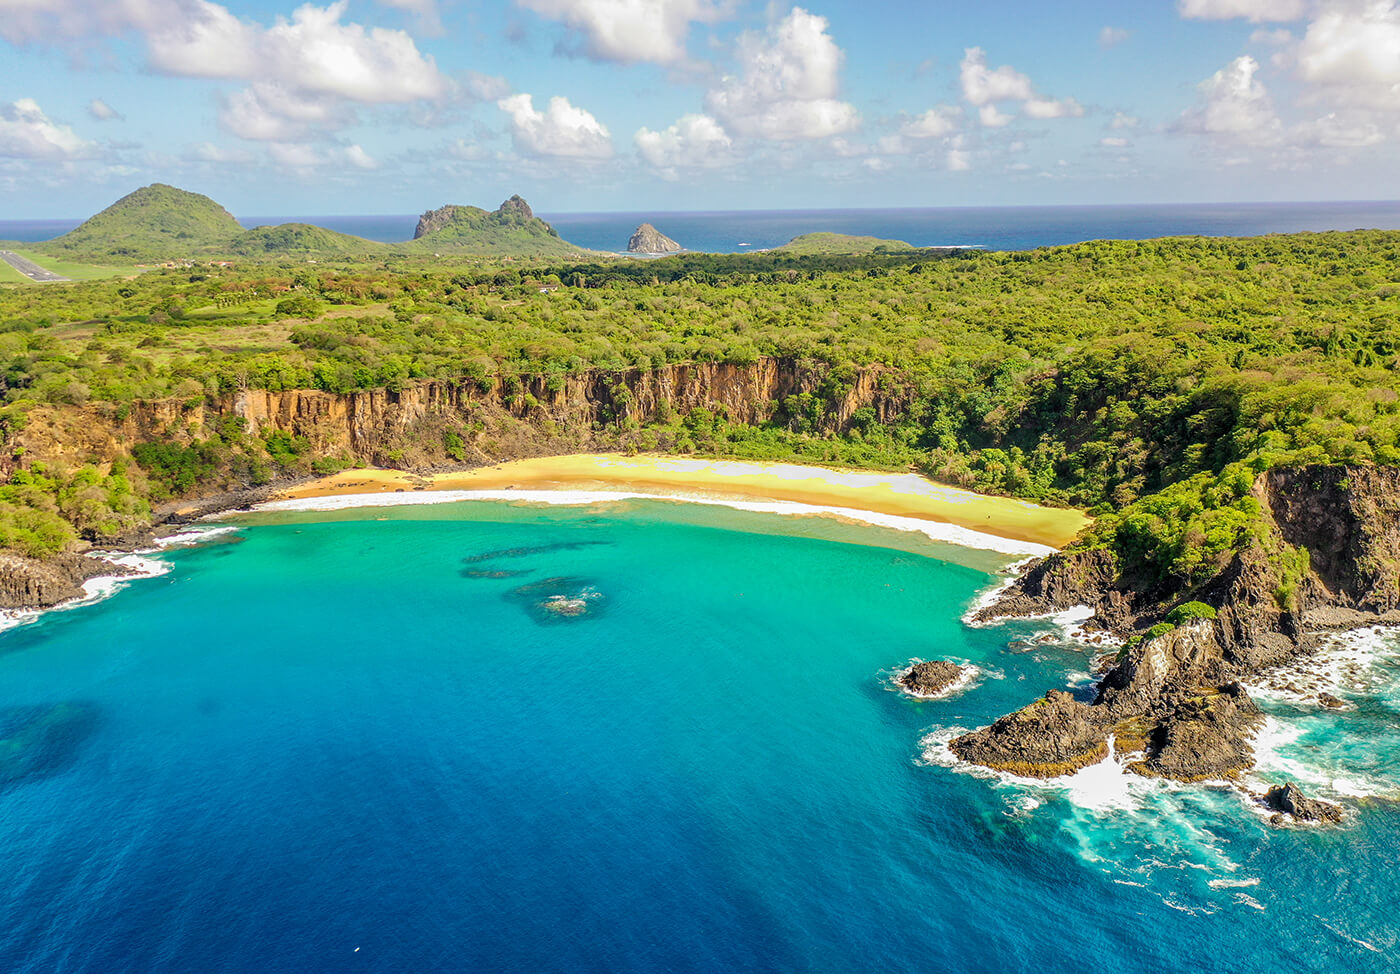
[905, 495]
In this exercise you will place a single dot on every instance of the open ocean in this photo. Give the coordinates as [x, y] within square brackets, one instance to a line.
[998, 228]
[354, 741]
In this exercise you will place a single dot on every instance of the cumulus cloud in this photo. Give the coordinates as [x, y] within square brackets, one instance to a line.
[313, 52]
[988, 89]
[1122, 120]
[1354, 51]
[101, 111]
[787, 85]
[560, 130]
[1234, 104]
[27, 133]
[304, 68]
[1251, 10]
[983, 86]
[693, 142]
[268, 112]
[1114, 142]
[631, 30]
[937, 122]
[1113, 36]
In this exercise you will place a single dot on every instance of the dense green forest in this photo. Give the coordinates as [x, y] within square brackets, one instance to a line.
[1147, 381]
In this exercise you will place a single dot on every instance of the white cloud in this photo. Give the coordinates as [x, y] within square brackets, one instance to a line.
[788, 83]
[27, 133]
[692, 142]
[270, 113]
[313, 53]
[295, 155]
[935, 123]
[631, 30]
[1114, 142]
[987, 89]
[561, 130]
[1122, 120]
[958, 159]
[1354, 51]
[22, 21]
[1113, 36]
[1335, 131]
[1235, 105]
[1254, 11]
[359, 158]
[101, 111]
[991, 118]
[1050, 108]
[983, 86]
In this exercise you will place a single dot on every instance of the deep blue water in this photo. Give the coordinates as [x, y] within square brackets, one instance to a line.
[330, 747]
[1001, 228]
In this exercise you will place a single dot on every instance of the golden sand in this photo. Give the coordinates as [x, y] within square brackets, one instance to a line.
[901, 494]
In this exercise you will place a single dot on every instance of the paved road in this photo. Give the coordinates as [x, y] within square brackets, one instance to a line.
[28, 268]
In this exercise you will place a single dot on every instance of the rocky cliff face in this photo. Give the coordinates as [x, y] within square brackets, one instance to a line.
[646, 239]
[507, 416]
[1176, 698]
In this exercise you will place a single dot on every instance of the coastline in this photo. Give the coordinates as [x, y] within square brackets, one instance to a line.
[879, 498]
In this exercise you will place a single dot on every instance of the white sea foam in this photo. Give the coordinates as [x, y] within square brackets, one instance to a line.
[1345, 664]
[1103, 787]
[193, 536]
[934, 530]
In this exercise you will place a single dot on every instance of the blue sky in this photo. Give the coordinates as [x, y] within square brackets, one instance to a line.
[395, 106]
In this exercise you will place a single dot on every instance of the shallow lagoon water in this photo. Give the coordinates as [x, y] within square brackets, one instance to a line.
[324, 733]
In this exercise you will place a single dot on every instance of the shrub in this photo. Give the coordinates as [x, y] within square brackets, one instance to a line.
[1188, 611]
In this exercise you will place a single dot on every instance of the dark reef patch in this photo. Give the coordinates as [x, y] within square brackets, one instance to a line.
[564, 598]
[36, 742]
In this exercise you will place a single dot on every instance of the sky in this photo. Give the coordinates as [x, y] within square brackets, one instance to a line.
[397, 106]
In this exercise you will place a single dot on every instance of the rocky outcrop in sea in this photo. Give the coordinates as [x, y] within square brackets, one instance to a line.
[646, 239]
[1174, 699]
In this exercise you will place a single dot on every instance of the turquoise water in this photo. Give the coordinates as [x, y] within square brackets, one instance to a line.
[329, 744]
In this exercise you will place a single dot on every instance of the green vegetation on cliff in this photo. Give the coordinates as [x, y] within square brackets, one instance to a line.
[1149, 381]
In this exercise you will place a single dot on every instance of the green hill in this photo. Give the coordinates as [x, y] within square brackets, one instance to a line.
[155, 222]
[809, 244]
[513, 230]
[299, 238]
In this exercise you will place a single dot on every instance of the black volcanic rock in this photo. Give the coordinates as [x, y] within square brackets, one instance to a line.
[931, 677]
[646, 239]
[1289, 800]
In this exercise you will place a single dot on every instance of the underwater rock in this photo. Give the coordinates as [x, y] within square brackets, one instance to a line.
[39, 741]
[564, 598]
[1289, 800]
[931, 678]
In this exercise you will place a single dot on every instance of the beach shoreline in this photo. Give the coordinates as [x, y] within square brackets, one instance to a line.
[819, 489]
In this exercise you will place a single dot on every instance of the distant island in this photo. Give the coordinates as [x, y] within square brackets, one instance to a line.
[646, 239]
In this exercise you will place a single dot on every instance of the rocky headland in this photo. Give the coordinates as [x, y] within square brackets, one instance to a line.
[646, 239]
[1175, 698]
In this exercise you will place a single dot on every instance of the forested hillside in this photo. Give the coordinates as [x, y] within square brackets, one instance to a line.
[1148, 381]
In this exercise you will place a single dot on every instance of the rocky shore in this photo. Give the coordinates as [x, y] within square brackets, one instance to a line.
[1174, 699]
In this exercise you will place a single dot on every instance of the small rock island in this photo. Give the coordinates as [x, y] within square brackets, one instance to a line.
[646, 239]
[931, 678]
